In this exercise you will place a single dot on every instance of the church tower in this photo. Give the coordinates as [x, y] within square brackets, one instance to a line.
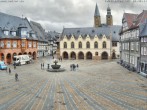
[109, 19]
[97, 17]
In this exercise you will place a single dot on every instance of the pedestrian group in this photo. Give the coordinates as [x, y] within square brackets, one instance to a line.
[73, 67]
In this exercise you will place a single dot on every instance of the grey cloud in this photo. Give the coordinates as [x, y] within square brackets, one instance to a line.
[54, 14]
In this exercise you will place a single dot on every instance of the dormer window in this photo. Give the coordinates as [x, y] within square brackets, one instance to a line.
[23, 32]
[33, 35]
[13, 33]
[6, 33]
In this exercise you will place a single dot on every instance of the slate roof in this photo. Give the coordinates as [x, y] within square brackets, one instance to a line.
[52, 36]
[13, 29]
[1, 33]
[92, 31]
[143, 29]
[10, 21]
[108, 8]
[38, 29]
[97, 13]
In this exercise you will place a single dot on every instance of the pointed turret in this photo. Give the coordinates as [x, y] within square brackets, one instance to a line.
[97, 17]
[109, 18]
[97, 13]
[108, 10]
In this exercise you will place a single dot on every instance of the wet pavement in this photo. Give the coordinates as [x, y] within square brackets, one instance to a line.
[95, 85]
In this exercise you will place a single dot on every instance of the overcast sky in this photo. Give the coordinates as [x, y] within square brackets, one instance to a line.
[56, 14]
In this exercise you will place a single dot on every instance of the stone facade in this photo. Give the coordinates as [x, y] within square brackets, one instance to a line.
[94, 52]
[98, 42]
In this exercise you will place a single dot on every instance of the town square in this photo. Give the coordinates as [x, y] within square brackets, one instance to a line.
[73, 55]
[89, 87]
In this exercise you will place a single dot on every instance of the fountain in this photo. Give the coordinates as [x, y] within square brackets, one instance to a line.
[55, 67]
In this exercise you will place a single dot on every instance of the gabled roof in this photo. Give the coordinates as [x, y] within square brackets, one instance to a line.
[10, 21]
[38, 29]
[97, 13]
[134, 20]
[139, 19]
[13, 29]
[92, 31]
[129, 17]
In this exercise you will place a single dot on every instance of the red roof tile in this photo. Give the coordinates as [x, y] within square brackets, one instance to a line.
[129, 17]
[139, 19]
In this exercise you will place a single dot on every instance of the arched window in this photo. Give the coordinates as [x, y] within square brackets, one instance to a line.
[65, 45]
[104, 44]
[80, 44]
[72, 45]
[88, 45]
[95, 45]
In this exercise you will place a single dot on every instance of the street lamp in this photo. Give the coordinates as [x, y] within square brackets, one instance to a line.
[129, 55]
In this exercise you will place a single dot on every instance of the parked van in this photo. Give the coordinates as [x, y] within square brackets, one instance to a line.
[2, 66]
[21, 59]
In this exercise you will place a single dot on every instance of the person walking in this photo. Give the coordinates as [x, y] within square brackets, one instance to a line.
[77, 66]
[74, 67]
[41, 65]
[61, 59]
[9, 71]
[16, 77]
[14, 66]
[70, 67]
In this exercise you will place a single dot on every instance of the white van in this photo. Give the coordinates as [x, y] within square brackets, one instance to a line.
[21, 59]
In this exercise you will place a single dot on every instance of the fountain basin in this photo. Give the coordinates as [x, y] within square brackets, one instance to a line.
[56, 70]
[55, 66]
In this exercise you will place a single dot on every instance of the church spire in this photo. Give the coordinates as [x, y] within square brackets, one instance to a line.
[97, 17]
[109, 18]
[97, 13]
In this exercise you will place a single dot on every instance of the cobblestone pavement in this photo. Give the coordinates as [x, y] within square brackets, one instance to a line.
[96, 85]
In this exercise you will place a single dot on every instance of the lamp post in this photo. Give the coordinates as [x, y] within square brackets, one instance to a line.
[110, 42]
[129, 54]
